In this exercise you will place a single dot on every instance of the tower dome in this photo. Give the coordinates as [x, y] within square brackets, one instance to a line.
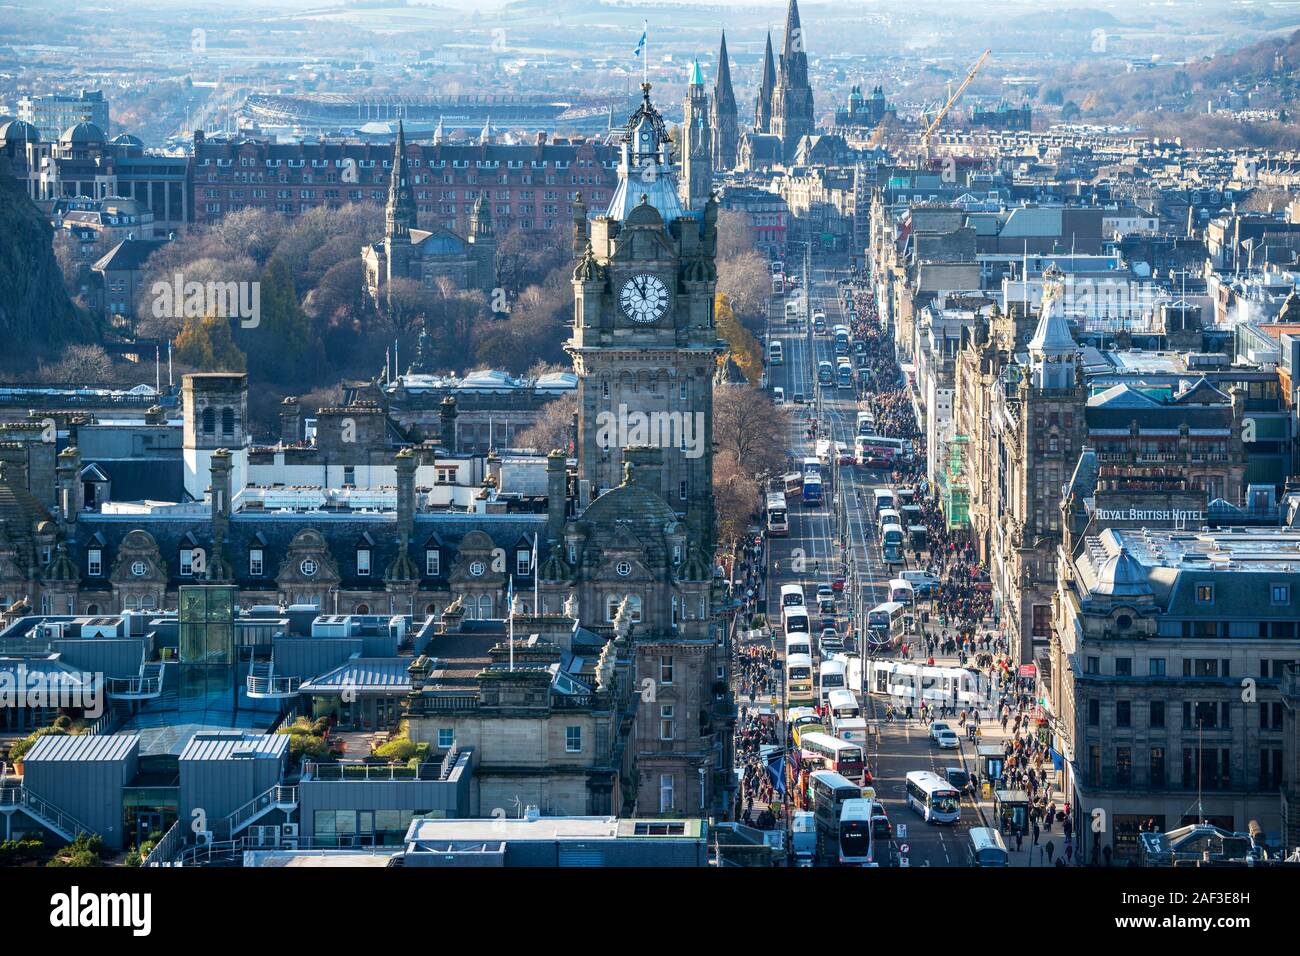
[1122, 575]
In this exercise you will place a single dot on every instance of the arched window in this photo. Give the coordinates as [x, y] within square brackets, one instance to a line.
[209, 421]
[484, 607]
[227, 421]
[92, 608]
[431, 610]
[362, 608]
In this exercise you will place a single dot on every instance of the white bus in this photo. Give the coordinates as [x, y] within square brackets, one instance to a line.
[831, 676]
[799, 681]
[798, 644]
[791, 596]
[886, 516]
[866, 421]
[885, 623]
[933, 797]
[842, 702]
[901, 590]
[778, 520]
[884, 499]
[856, 842]
[795, 621]
[986, 847]
[775, 354]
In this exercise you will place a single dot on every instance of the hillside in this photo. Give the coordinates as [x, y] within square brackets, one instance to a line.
[36, 315]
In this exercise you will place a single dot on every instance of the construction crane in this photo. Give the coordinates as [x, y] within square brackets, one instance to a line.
[952, 100]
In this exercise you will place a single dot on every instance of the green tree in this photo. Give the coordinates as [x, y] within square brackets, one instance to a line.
[283, 347]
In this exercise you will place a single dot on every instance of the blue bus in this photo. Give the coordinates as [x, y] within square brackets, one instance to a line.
[812, 490]
[844, 375]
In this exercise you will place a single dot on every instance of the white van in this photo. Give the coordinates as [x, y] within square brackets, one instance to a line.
[831, 676]
[778, 395]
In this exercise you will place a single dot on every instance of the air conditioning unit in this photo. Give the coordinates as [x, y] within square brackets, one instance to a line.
[290, 831]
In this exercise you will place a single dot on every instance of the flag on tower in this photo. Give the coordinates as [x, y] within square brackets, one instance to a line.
[640, 44]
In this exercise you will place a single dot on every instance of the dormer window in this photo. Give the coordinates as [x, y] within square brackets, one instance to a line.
[523, 561]
[94, 562]
[432, 563]
[187, 562]
[363, 562]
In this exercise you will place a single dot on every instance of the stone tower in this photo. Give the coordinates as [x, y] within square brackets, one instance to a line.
[483, 245]
[644, 344]
[697, 145]
[723, 117]
[792, 99]
[215, 416]
[766, 86]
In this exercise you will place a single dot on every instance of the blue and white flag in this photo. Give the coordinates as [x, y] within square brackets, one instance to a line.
[640, 44]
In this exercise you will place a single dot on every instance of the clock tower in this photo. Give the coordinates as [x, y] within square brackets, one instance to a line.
[644, 344]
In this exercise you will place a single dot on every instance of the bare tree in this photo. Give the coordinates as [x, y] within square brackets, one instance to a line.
[81, 364]
[735, 498]
[552, 429]
[747, 426]
[747, 281]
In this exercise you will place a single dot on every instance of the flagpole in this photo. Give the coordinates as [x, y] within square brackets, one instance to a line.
[537, 604]
[510, 601]
[645, 54]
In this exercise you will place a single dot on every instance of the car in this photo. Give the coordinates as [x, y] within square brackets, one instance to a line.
[778, 396]
[798, 398]
[837, 585]
[826, 606]
[958, 777]
[875, 461]
[938, 727]
[830, 642]
[846, 458]
[881, 828]
[947, 740]
[825, 591]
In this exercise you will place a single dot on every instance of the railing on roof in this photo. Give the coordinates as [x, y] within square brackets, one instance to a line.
[57, 819]
[370, 772]
[146, 686]
[285, 798]
[166, 849]
[449, 762]
[459, 702]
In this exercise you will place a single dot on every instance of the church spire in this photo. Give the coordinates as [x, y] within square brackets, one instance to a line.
[723, 94]
[400, 213]
[722, 116]
[766, 84]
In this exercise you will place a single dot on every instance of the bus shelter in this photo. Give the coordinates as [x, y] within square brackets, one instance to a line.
[1011, 810]
[991, 761]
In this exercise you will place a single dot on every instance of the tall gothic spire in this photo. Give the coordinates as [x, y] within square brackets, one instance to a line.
[400, 213]
[792, 100]
[726, 131]
[723, 94]
[766, 84]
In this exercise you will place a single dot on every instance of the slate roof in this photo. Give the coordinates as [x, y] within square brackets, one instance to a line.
[273, 532]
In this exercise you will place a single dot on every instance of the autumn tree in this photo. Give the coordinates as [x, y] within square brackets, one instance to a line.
[745, 349]
[206, 344]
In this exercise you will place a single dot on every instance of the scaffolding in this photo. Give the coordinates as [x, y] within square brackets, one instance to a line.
[956, 493]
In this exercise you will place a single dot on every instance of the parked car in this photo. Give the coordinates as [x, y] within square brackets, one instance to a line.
[947, 740]
[937, 727]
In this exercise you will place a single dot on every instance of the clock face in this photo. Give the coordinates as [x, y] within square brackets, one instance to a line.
[644, 298]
